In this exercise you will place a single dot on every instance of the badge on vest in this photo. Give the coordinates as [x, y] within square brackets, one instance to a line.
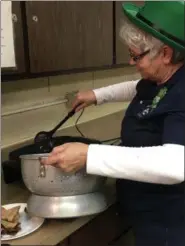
[155, 102]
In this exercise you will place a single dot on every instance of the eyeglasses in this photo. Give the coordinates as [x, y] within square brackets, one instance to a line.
[138, 57]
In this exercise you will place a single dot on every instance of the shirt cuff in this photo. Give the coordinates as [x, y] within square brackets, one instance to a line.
[99, 94]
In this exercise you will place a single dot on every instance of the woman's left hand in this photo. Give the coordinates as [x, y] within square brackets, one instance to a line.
[70, 157]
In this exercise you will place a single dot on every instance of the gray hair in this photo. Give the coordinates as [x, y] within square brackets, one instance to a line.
[135, 37]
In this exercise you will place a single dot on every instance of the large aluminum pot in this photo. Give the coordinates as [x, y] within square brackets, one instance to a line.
[52, 181]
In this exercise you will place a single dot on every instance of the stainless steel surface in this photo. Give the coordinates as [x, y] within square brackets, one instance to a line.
[56, 182]
[67, 207]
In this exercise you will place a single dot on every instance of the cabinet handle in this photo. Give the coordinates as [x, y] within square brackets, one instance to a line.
[80, 27]
[99, 23]
[35, 18]
[80, 48]
[14, 18]
[80, 31]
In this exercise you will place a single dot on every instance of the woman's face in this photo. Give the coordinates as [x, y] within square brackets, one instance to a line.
[147, 67]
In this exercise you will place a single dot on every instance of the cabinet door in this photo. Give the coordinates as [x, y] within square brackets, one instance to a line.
[97, 33]
[66, 35]
[63, 243]
[100, 231]
[18, 40]
[122, 55]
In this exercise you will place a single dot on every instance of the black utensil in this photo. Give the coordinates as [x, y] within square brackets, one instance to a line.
[44, 139]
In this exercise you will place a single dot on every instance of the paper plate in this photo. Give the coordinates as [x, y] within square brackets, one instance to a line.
[28, 224]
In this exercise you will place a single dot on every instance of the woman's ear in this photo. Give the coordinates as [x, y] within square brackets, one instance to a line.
[167, 54]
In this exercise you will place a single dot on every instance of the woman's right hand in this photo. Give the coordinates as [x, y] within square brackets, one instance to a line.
[84, 99]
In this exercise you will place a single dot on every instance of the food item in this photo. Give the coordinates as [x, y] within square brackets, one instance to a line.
[10, 214]
[10, 220]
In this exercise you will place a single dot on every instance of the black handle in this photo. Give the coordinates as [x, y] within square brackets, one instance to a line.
[11, 171]
[70, 114]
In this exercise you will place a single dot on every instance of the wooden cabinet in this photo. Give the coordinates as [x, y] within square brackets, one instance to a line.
[126, 239]
[57, 36]
[101, 231]
[69, 35]
[18, 40]
[122, 55]
[64, 243]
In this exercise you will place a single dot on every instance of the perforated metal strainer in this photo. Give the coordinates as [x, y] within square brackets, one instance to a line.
[52, 181]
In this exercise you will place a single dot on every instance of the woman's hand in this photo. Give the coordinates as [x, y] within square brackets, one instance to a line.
[84, 99]
[70, 157]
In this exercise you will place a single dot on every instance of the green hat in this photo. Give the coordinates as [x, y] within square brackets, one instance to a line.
[162, 19]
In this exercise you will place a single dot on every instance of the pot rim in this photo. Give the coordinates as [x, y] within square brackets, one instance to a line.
[33, 156]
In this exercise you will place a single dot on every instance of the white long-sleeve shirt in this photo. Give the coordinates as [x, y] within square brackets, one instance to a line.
[160, 164]
[124, 91]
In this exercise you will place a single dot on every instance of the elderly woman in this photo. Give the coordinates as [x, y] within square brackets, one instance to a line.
[149, 164]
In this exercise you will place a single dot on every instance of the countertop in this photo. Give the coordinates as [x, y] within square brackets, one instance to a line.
[52, 231]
